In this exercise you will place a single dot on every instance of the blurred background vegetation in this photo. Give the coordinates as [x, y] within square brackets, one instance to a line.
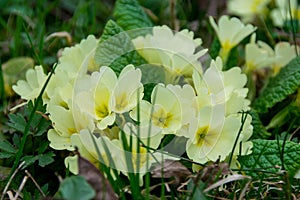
[38, 19]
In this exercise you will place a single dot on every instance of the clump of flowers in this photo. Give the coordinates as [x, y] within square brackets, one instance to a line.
[261, 55]
[96, 110]
[279, 12]
[285, 12]
[248, 9]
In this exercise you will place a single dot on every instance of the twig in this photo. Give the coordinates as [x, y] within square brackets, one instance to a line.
[10, 179]
[292, 135]
[173, 15]
[10, 195]
[21, 187]
[231, 178]
[242, 195]
[35, 183]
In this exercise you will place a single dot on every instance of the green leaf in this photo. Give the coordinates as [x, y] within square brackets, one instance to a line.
[39, 124]
[113, 46]
[291, 26]
[233, 58]
[215, 48]
[29, 160]
[281, 86]
[197, 190]
[17, 121]
[130, 15]
[259, 130]
[46, 159]
[116, 49]
[266, 157]
[5, 155]
[75, 188]
[111, 28]
[7, 147]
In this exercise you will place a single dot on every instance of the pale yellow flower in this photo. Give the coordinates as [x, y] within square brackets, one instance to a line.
[74, 63]
[176, 51]
[79, 59]
[187, 98]
[84, 141]
[212, 136]
[141, 157]
[262, 55]
[248, 9]
[216, 87]
[165, 112]
[95, 98]
[243, 147]
[127, 90]
[284, 53]
[283, 13]
[104, 95]
[65, 126]
[59, 89]
[230, 31]
[145, 135]
[257, 55]
[31, 88]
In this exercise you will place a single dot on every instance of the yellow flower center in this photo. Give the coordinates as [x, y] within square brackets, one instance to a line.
[101, 111]
[296, 13]
[142, 157]
[64, 104]
[71, 131]
[201, 134]
[121, 102]
[256, 4]
[250, 66]
[227, 46]
[161, 118]
[102, 96]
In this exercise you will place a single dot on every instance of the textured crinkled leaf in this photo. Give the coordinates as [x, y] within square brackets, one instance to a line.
[130, 15]
[284, 84]
[259, 130]
[111, 29]
[113, 45]
[266, 157]
[116, 49]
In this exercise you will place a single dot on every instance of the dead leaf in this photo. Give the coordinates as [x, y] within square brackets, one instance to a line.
[212, 173]
[96, 179]
[171, 169]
